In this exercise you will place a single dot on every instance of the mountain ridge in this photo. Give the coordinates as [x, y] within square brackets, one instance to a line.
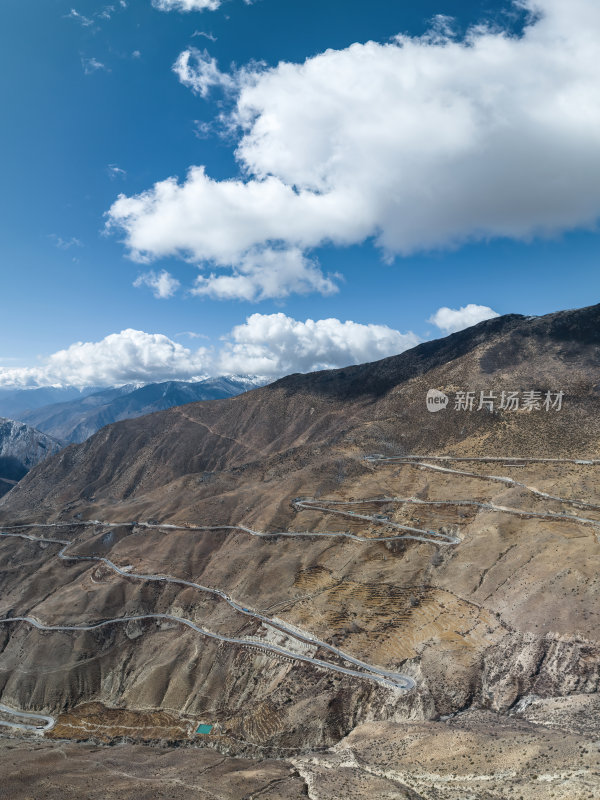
[285, 419]
[75, 420]
[224, 562]
[21, 448]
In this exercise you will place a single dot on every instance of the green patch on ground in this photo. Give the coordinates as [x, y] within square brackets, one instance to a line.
[204, 729]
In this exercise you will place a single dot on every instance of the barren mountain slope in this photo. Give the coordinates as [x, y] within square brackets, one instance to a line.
[76, 420]
[373, 407]
[475, 580]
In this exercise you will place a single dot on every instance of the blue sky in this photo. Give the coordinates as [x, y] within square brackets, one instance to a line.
[92, 108]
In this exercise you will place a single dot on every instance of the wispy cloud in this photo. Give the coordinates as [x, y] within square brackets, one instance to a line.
[191, 5]
[198, 70]
[186, 5]
[80, 18]
[191, 335]
[106, 12]
[202, 129]
[163, 284]
[211, 37]
[115, 172]
[65, 244]
[91, 65]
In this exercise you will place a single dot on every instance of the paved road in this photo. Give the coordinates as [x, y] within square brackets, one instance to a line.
[520, 512]
[497, 478]
[418, 534]
[385, 677]
[391, 680]
[366, 671]
[44, 723]
[431, 537]
[497, 459]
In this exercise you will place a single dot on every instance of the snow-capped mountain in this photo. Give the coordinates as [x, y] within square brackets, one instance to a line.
[21, 448]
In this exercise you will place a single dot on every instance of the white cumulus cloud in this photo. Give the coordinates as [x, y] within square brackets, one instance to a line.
[451, 320]
[418, 143]
[275, 345]
[270, 345]
[163, 284]
[267, 273]
[125, 357]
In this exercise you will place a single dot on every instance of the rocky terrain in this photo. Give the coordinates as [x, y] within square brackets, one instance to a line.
[244, 563]
[21, 448]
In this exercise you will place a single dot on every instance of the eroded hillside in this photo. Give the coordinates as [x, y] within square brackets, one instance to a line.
[295, 565]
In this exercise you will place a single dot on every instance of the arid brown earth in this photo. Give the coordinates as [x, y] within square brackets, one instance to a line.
[69, 771]
[501, 629]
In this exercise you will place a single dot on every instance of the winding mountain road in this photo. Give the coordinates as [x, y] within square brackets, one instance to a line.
[389, 678]
[359, 669]
[48, 722]
[418, 534]
[414, 461]
[520, 512]
[487, 459]
[385, 677]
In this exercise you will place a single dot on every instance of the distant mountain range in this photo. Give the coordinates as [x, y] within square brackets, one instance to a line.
[72, 415]
[13, 402]
[21, 448]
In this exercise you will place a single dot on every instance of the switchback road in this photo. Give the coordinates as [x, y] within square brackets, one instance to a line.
[387, 678]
